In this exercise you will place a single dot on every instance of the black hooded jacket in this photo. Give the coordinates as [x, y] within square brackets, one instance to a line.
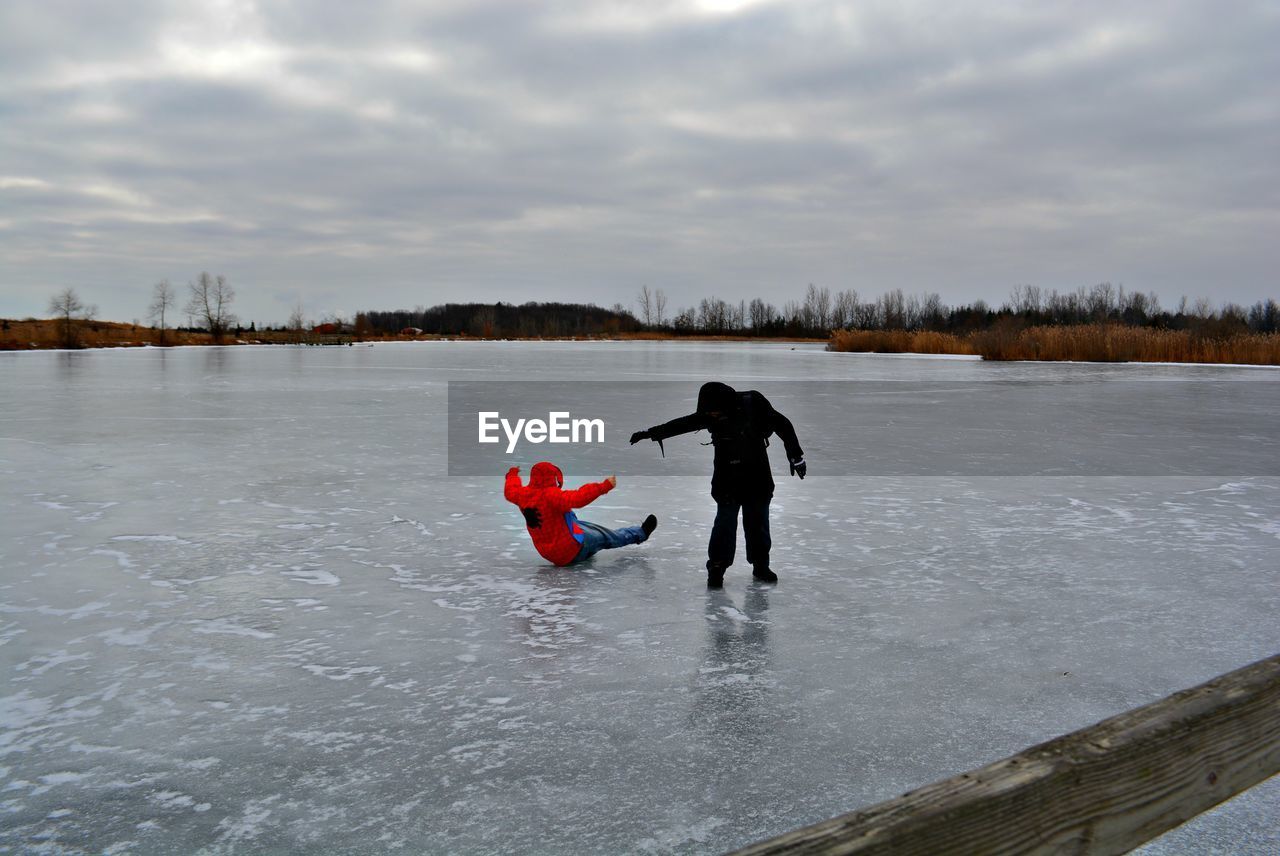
[740, 433]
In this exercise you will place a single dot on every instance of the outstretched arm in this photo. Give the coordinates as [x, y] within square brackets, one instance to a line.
[786, 432]
[513, 488]
[587, 494]
[680, 425]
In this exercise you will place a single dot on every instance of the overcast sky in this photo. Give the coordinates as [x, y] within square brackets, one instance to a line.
[389, 154]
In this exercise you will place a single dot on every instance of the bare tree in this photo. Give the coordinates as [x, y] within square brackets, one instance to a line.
[809, 309]
[1101, 301]
[645, 302]
[1139, 308]
[1265, 317]
[686, 320]
[817, 308]
[866, 316]
[893, 309]
[162, 300]
[210, 301]
[792, 315]
[842, 311]
[915, 310]
[69, 310]
[933, 314]
[659, 306]
[297, 318]
[762, 314]
[1026, 299]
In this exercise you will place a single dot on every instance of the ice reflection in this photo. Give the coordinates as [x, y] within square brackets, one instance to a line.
[69, 362]
[547, 613]
[215, 360]
[735, 682]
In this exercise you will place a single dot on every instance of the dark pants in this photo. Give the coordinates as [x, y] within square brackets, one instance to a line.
[755, 528]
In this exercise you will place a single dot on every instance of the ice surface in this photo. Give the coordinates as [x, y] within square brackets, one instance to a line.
[243, 609]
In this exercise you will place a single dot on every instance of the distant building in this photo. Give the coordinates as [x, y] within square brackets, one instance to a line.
[325, 328]
[411, 331]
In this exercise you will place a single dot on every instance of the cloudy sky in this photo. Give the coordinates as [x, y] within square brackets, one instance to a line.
[390, 154]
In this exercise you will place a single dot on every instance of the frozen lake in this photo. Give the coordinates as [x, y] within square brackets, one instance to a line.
[244, 609]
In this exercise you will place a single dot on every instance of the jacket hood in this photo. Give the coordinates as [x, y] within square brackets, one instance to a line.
[545, 474]
[717, 397]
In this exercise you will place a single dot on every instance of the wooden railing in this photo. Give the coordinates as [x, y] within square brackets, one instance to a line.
[1105, 789]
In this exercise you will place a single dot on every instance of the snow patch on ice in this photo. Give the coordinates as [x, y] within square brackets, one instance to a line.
[53, 780]
[329, 741]
[49, 661]
[171, 799]
[166, 538]
[249, 825]
[312, 577]
[414, 523]
[340, 673]
[211, 626]
[673, 838]
[202, 763]
[21, 710]
[139, 636]
[56, 506]
[122, 559]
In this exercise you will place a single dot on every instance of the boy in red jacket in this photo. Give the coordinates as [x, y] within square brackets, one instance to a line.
[557, 533]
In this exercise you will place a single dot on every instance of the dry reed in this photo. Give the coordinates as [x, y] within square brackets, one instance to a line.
[1082, 343]
[898, 342]
[49, 333]
[1116, 343]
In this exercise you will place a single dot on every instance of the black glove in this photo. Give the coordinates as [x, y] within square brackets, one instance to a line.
[799, 468]
[640, 435]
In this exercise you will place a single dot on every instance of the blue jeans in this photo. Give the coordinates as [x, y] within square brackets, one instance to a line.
[596, 538]
[755, 529]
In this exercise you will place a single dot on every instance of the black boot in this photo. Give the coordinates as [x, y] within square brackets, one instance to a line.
[715, 575]
[763, 574]
[650, 524]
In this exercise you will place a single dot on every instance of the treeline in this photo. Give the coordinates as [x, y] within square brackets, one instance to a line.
[502, 320]
[821, 311]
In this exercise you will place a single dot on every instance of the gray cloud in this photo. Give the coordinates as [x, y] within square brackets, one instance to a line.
[379, 155]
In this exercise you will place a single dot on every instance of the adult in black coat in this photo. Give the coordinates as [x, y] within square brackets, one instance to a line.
[740, 424]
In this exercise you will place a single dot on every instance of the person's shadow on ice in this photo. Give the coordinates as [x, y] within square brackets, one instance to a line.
[733, 684]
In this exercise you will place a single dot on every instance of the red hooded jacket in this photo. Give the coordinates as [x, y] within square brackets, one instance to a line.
[548, 510]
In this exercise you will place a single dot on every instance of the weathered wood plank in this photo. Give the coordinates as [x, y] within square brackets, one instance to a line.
[1104, 789]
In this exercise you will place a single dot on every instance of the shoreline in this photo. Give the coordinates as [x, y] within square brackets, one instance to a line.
[47, 335]
[605, 340]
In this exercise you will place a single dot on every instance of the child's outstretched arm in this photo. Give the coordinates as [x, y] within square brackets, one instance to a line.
[513, 488]
[588, 493]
